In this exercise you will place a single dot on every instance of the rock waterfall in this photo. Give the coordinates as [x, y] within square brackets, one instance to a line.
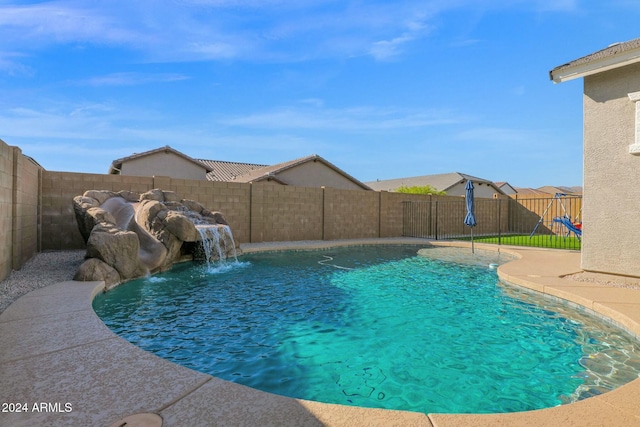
[130, 235]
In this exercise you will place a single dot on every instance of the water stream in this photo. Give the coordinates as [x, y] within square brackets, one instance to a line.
[216, 240]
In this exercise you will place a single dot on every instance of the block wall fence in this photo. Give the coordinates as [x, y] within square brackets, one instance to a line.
[256, 212]
[19, 208]
[37, 212]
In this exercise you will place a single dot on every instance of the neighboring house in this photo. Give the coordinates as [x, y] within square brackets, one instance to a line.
[452, 183]
[164, 161]
[611, 156]
[524, 192]
[569, 191]
[310, 171]
[547, 191]
[506, 188]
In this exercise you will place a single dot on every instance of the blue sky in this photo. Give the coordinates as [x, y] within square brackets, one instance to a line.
[383, 89]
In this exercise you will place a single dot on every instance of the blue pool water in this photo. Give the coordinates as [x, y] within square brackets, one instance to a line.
[375, 327]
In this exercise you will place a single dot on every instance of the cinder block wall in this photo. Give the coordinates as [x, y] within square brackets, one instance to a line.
[391, 211]
[59, 227]
[351, 214]
[37, 210]
[285, 213]
[26, 174]
[260, 212]
[19, 197]
[232, 199]
[6, 206]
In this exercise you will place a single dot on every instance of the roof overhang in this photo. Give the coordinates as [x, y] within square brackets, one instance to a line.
[116, 165]
[615, 56]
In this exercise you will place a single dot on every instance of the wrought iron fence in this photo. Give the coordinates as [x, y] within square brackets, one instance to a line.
[552, 222]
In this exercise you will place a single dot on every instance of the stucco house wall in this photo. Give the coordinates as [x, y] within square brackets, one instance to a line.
[163, 164]
[309, 174]
[611, 174]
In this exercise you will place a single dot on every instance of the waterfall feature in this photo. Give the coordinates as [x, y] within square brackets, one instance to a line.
[129, 234]
[217, 243]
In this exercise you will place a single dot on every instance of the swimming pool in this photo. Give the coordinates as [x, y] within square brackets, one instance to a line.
[375, 327]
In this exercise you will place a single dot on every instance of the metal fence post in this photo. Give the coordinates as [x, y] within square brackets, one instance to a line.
[499, 221]
[436, 224]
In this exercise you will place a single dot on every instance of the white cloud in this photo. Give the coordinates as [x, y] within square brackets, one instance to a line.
[130, 79]
[357, 119]
[71, 124]
[199, 30]
[57, 22]
[387, 49]
[10, 62]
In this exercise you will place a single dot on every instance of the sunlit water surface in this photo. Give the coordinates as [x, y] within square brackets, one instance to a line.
[375, 327]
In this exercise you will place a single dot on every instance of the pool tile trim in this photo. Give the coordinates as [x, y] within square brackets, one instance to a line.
[56, 350]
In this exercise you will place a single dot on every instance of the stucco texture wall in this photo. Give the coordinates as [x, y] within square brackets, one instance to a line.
[611, 175]
[163, 164]
[309, 174]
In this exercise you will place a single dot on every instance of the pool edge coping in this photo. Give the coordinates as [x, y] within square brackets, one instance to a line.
[611, 408]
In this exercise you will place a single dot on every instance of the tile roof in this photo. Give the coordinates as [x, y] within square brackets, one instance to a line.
[551, 189]
[528, 191]
[228, 171]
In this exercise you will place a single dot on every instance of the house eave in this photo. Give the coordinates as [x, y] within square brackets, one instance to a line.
[568, 72]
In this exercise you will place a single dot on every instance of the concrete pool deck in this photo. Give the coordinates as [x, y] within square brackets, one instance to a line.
[61, 365]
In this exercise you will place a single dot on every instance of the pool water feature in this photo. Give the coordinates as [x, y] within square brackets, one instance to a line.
[375, 327]
[216, 241]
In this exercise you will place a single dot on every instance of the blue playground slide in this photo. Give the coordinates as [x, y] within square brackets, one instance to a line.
[573, 228]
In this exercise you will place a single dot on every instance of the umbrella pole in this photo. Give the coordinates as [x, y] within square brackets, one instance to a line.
[472, 249]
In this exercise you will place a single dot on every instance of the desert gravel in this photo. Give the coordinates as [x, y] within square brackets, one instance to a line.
[45, 268]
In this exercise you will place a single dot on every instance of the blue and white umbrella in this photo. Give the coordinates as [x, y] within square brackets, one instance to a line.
[470, 219]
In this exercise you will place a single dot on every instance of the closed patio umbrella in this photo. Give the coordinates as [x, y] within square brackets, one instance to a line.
[470, 219]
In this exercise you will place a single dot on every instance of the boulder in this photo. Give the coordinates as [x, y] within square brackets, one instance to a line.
[117, 248]
[192, 205]
[100, 215]
[147, 212]
[94, 269]
[180, 226]
[84, 220]
[129, 196]
[218, 218]
[100, 195]
[155, 194]
[170, 196]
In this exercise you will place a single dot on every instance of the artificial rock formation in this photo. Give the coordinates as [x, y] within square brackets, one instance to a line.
[130, 235]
